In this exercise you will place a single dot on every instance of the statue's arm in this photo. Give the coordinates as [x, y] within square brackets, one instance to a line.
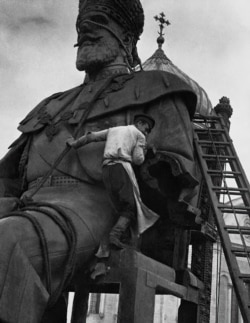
[10, 176]
[11, 179]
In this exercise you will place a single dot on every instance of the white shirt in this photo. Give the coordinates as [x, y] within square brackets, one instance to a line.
[125, 143]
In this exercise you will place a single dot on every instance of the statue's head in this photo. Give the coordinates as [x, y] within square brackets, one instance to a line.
[108, 31]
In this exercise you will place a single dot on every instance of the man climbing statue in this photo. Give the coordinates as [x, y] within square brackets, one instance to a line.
[125, 146]
[55, 209]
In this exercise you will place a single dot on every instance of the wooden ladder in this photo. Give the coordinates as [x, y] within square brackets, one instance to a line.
[226, 180]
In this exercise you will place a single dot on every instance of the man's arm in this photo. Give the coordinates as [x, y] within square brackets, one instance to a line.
[138, 154]
[88, 138]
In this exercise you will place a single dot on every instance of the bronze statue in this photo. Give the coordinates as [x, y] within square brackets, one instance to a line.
[54, 207]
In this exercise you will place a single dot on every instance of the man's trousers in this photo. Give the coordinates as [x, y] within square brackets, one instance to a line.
[120, 190]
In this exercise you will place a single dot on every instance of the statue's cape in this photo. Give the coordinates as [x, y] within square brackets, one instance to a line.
[126, 91]
[132, 93]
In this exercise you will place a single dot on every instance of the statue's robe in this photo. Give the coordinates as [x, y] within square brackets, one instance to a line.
[164, 97]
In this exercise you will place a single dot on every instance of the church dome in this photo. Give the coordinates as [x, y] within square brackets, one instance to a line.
[159, 61]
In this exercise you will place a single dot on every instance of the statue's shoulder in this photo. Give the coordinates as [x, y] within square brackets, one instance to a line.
[158, 84]
[40, 107]
[38, 110]
[160, 77]
[161, 82]
[143, 87]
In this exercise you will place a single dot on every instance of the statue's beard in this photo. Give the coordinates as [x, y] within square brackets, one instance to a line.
[95, 56]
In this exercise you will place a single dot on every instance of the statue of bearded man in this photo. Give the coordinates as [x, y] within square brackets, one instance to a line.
[54, 207]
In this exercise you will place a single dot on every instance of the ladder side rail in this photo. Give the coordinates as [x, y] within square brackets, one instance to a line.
[236, 165]
[236, 213]
[219, 163]
[241, 181]
[232, 263]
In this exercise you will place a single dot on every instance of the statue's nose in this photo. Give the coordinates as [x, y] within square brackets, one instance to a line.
[85, 27]
[89, 25]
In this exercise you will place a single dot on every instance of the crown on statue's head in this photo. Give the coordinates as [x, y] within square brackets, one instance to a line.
[127, 13]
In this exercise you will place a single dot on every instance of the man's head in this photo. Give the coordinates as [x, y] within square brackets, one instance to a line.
[108, 31]
[144, 123]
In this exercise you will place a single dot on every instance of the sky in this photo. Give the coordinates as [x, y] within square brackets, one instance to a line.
[209, 40]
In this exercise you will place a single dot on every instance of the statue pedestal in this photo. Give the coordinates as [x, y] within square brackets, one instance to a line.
[137, 279]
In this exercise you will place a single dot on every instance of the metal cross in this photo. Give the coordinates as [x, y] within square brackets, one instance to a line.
[163, 22]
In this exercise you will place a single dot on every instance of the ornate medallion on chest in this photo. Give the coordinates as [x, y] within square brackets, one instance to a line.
[117, 84]
[67, 114]
[52, 124]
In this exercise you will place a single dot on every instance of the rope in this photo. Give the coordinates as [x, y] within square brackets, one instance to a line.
[67, 226]
[71, 236]
[43, 242]
[68, 230]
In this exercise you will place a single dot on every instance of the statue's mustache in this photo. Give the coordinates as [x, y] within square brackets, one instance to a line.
[88, 37]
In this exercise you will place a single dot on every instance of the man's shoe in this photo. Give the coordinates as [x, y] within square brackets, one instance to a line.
[117, 232]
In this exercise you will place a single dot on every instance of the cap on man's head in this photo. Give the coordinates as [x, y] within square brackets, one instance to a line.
[145, 118]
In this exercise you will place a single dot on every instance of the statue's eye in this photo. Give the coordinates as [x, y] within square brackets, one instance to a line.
[100, 19]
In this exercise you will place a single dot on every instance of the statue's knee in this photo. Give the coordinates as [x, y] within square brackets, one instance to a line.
[8, 238]
[13, 230]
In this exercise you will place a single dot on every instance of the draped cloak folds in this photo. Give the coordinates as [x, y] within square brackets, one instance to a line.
[163, 96]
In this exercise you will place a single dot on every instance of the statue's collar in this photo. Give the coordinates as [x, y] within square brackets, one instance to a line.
[106, 72]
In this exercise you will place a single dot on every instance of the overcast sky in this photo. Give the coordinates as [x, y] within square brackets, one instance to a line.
[209, 40]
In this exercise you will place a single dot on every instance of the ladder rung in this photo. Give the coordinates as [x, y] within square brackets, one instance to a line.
[241, 252]
[234, 210]
[204, 122]
[223, 173]
[197, 116]
[211, 142]
[234, 207]
[233, 229]
[212, 156]
[230, 190]
[220, 176]
[209, 130]
[226, 206]
[245, 277]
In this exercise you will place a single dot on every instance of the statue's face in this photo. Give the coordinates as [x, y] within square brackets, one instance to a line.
[98, 48]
